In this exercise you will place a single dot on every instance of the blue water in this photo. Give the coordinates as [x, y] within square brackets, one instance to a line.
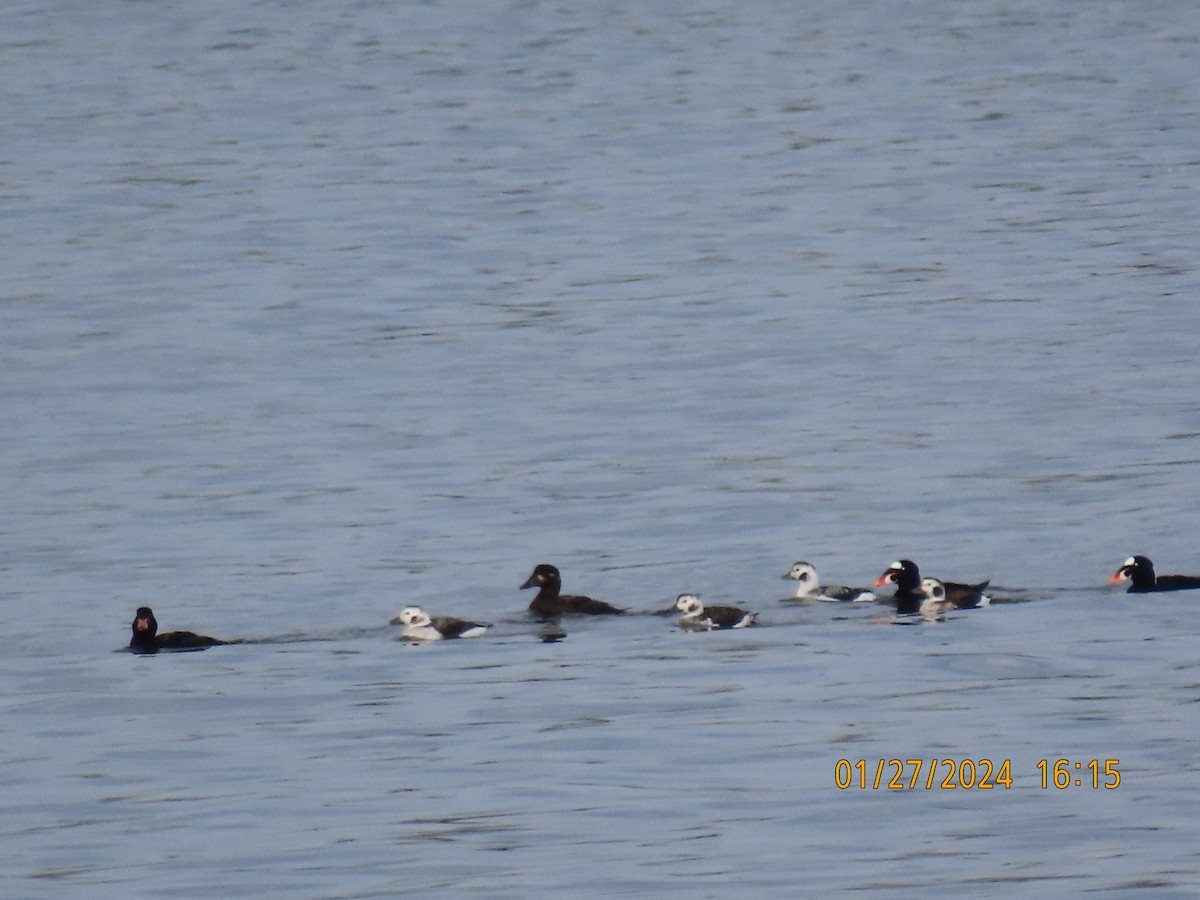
[313, 312]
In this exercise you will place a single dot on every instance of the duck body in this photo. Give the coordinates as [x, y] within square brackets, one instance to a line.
[419, 626]
[146, 638]
[550, 602]
[697, 616]
[808, 587]
[1139, 572]
[907, 577]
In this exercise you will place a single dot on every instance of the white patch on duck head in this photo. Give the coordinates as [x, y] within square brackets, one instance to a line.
[689, 604]
[935, 604]
[411, 615]
[802, 571]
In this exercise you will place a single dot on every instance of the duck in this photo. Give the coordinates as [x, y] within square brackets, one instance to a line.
[420, 627]
[808, 587]
[936, 604]
[1139, 572]
[550, 603]
[907, 577]
[146, 638]
[697, 616]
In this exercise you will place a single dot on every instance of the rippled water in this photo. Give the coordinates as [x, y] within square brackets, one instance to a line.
[310, 313]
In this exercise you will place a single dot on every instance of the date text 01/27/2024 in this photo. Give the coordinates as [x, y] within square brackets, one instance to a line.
[969, 774]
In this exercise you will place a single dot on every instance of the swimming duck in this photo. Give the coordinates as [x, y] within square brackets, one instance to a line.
[936, 604]
[697, 616]
[146, 638]
[1139, 572]
[907, 577]
[419, 626]
[550, 603]
[808, 587]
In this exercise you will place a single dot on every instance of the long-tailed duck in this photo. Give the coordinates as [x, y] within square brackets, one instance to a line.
[1139, 572]
[697, 615]
[550, 603]
[420, 627]
[907, 577]
[146, 638]
[808, 587]
[936, 604]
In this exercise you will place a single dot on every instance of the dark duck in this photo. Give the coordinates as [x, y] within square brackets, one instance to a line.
[146, 638]
[550, 602]
[909, 595]
[1139, 572]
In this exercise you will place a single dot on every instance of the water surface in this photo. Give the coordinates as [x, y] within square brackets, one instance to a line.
[311, 313]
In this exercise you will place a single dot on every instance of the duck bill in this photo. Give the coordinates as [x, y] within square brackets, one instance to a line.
[883, 579]
[529, 582]
[1118, 577]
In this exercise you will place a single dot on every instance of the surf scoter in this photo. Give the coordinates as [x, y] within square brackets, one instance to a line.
[697, 615]
[550, 603]
[146, 638]
[419, 626]
[907, 577]
[1139, 572]
[808, 587]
